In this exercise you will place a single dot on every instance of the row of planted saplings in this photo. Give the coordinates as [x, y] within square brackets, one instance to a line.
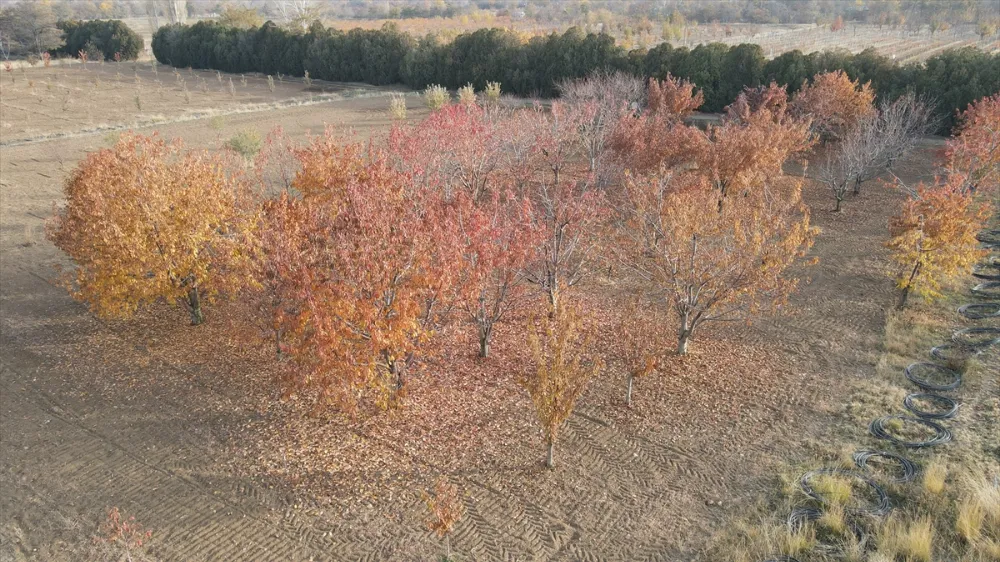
[928, 407]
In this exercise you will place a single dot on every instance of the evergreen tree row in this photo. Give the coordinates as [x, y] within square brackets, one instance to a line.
[953, 78]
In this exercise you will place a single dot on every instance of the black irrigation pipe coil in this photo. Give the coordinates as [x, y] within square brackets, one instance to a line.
[800, 516]
[976, 338]
[882, 505]
[906, 466]
[947, 406]
[987, 290]
[953, 351]
[914, 368]
[941, 434]
[980, 311]
[988, 272]
[989, 237]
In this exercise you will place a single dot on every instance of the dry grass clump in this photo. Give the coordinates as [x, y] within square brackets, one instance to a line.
[934, 477]
[911, 540]
[835, 490]
[492, 92]
[833, 519]
[247, 143]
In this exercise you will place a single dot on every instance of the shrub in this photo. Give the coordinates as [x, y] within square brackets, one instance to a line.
[397, 107]
[104, 37]
[467, 95]
[247, 143]
[436, 96]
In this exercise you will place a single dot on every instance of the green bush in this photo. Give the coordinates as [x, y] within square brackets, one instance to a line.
[105, 36]
[247, 143]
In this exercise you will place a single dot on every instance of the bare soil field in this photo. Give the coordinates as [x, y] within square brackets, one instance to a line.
[182, 427]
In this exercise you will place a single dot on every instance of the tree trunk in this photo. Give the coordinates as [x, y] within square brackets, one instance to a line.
[484, 341]
[906, 288]
[628, 391]
[447, 548]
[839, 201]
[194, 306]
[550, 460]
[682, 342]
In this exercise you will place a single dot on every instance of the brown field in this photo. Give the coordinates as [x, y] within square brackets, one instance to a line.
[182, 427]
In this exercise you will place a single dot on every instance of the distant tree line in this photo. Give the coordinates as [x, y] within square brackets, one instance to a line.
[104, 37]
[953, 78]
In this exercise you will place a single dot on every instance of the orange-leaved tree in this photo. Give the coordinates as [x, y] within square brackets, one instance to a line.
[973, 154]
[712, 263]
[658, 137]
[834, 103]
[365, 275]
[146, 221]
[563, 365]
[934, 237]
[446, 509]
[496, 240]
[755, 139]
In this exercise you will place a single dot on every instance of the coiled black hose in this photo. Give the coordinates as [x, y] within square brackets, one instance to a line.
[908, 469]
[948, 407]
[976, 338]
[952, 352]
[941, 434]
[882, 505]
[990, 237]
[800, 516]
[911, 373]
[987, 290]
[986, 272]
[980, 311]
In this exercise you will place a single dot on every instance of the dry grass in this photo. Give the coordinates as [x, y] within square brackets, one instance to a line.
[836, 491]
[969, 522]
[833, 519]
[911, 540]
[934, 477]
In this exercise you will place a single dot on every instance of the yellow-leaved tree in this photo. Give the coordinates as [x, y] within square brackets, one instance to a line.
[934, 237]
[560, 345]
[146, 221]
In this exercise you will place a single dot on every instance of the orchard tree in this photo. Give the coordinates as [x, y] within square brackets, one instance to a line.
[641, 329]
[658, 136]
[752, 144]
[834, 103]
[934, 238]
[145, 221]
[366, 275]
[567, 208]
[608, 97]
[560, 348]
[710, 263]
[974, 152]
[496, 240]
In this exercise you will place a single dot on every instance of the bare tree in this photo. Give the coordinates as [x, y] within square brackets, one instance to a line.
[875, 145]
[609, 96]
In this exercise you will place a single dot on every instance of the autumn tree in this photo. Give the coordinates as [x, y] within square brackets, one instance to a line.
[567, 207]
[560, 348]
[607, 97]
[712, 263]
[641, 331]
[973, 154]
[658, 136]
[833, 103]
[365, 276]
[874, 145]
[934, 237]
[145, 221]
[752, 144]
[446, 509]
[496, 239]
